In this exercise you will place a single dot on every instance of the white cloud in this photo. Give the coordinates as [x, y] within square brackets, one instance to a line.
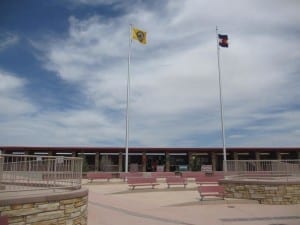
[12, 99]
[7, 40]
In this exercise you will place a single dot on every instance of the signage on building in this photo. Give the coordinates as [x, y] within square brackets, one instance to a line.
[206, 168]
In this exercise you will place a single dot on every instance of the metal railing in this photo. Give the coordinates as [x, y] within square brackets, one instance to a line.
[263, 169]
[33, 172]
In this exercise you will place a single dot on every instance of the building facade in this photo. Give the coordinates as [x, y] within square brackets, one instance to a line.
[149, 159]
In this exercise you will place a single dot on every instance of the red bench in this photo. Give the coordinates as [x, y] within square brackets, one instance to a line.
[176, 180]
[192, 174]
[3, 220]
[98, 175]
[141, 181]
[217, 191]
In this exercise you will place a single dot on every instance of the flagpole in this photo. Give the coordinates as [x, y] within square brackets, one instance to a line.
[127, 101]
[221, 105]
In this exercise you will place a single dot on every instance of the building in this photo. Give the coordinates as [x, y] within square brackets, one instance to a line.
[149, 159]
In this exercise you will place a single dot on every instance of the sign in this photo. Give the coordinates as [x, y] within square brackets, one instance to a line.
[160, 168]
[206, 168]
[183, 167]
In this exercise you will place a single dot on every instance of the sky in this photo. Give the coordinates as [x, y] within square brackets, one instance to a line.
[64, 68]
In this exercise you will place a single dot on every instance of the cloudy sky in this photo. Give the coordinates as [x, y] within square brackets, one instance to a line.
[64, 63]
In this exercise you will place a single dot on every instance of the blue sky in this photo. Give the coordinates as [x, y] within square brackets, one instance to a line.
[63, 71]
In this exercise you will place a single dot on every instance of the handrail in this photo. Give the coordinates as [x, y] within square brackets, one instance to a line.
[32, 172]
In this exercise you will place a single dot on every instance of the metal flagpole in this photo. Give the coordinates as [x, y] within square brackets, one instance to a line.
[127, 101]
[221, 105]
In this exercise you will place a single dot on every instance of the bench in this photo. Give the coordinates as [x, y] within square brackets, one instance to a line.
[141, 181]
[217, 191]
[98, 175]
[3, 220]
[176, 180]
[192, 174]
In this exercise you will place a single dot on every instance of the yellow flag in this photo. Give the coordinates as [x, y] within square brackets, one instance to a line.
[139, 35]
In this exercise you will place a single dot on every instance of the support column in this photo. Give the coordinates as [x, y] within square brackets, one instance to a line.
[144, 161]
[190, 160]
[73, 154]
[257, 156]
[236, 163]
[214, 161]
[278, 156]
[50, 153]
[167, 161]
[235, 156]
[298, 155]
[120, 161]
[97, 156]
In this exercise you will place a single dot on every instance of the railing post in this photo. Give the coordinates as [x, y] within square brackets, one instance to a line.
[1, 168]
[54, 177]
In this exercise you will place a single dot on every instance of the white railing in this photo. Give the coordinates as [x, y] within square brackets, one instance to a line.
[32, 172]
[263, 168]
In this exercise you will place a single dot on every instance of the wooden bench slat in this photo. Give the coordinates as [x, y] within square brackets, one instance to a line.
[98, 175]
[175, 180]
[141, 181]
[207, 180]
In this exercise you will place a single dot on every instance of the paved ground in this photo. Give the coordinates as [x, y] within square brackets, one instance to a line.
[113, 204]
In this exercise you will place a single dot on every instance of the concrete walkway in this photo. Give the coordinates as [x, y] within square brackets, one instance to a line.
[113, 203]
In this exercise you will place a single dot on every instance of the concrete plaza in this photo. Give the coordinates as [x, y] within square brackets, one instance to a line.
[112, 203]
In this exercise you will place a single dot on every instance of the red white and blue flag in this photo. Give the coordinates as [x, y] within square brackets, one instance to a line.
[223, 40]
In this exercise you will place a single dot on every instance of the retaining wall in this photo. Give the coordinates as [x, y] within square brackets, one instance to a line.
[275, 193]
[64, 208]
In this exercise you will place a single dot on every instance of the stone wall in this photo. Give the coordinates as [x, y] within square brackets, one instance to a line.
[66, 208]
[277, 193]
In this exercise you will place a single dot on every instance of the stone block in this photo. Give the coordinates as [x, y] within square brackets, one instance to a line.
[75, 214]
[72, 210]
[48, 206]
[14, 207]
[67, 201]
[45, 216]
[21, 212]
[4, 208]
[79, 204]
[271, 188]
[48, 222]
[16, 219]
